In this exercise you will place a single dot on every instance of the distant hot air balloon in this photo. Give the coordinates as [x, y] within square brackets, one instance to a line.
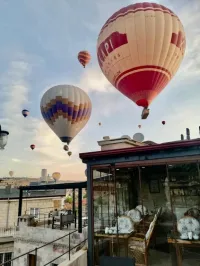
[32, 146]
[139, 50]
[139, 126]
[56, 176]
[163, 122]
[66, 148]
[66, 109]
[99, 123]
[25, 113]
[84, 58]
[11, 173]
[69, 153]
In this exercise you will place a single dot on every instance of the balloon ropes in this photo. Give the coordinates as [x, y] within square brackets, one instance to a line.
[139, 50]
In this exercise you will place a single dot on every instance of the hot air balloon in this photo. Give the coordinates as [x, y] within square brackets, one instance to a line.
[139, 50]
[163, 122]
[99, 123]
[69, 153]
[84, 58]
[66, 109]
[56, 176]
[66, 148]
[32, 146]
[11, 173]
[25, 113]
[139, 126]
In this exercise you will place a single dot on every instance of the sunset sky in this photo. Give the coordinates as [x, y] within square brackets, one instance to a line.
[40, 41]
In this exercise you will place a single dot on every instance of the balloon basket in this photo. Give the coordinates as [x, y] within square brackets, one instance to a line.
[145, 113]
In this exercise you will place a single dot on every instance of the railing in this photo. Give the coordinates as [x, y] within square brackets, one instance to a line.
[44, 220]
[35, 251]
[7, 232]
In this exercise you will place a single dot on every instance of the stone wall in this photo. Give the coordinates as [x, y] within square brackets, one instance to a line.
[6, 247]
[44, 204]
[29, 238]
[78, 259]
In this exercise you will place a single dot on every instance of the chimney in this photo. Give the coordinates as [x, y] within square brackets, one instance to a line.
[106, 138]
[182, 137]
[187, 134]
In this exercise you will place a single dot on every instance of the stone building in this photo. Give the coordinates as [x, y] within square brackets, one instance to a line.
[37, 203]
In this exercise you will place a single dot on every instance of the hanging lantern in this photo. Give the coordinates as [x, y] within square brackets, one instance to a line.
[3, 138]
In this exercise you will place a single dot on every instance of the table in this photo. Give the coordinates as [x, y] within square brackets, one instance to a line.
[123, 237]
[179, 243]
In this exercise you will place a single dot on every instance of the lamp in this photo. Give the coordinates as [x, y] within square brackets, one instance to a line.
[3, 138]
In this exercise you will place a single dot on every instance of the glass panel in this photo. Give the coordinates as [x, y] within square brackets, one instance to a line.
[1, 257]
[8, 256]
[32, 211]
[184, 184]
[114, 194]
[184, 192]
[37, 212]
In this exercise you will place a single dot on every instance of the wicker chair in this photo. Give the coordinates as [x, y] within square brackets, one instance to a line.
[140, 242]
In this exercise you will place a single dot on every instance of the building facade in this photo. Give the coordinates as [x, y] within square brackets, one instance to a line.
[144, 202]
[36, 203]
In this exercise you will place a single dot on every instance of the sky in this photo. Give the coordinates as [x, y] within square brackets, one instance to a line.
[40, 41]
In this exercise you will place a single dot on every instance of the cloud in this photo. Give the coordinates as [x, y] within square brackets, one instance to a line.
[16, 160]
[44, 54]
[93, 80]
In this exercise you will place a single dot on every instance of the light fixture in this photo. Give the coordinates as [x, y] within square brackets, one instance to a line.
[3, 138]
[143, 167]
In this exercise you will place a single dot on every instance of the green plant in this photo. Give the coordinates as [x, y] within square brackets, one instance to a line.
[68, 199]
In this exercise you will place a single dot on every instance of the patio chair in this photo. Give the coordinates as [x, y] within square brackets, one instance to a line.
[66, 219]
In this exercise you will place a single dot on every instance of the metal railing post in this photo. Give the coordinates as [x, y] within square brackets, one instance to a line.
[69, 245]
[35, 257]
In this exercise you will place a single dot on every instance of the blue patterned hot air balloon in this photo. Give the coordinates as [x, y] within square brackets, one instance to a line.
[66, 109]
[25, 113]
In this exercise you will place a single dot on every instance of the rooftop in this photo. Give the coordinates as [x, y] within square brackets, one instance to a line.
[13, 193]
[141, 149]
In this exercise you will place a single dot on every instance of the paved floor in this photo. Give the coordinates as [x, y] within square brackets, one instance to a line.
[158, 258]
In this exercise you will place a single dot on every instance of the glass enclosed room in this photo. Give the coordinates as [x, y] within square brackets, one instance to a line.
[144, 203]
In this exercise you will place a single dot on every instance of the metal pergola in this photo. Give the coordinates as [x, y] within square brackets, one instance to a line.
[72, 186]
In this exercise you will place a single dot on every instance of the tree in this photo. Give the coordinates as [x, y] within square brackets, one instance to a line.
[68, 199]
[85, 196]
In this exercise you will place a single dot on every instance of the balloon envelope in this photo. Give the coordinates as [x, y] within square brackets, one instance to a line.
[11, 173]
[56, 176]
[84, 58]
[25, 113]
[139, 50]
[32, 146]
[66, 109]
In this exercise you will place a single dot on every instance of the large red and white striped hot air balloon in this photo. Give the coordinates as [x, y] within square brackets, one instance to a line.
[84, 58]
[139, 49]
